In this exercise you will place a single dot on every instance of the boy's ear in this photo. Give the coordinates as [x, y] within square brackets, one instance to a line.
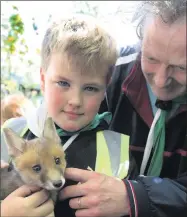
[42, 79]
[15, 144]
[50, 131]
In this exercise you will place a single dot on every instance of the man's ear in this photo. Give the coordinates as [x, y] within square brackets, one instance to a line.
[42, 79]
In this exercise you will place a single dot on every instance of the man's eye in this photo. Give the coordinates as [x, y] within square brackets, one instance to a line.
[63, 83]
[152, 60]
[91, 89]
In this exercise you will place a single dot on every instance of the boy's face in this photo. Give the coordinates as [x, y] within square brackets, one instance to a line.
[72, 98]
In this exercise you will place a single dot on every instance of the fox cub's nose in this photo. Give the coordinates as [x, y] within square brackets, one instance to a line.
[57, 184]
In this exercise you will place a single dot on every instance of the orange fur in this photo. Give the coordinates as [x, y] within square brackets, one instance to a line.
[45, 153]
[42, 153]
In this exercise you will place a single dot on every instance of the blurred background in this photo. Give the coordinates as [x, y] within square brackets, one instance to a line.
[23, 24]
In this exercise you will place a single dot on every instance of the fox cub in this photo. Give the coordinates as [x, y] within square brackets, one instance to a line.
[40, 162]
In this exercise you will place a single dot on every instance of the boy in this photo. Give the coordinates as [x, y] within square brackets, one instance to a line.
[77, 60]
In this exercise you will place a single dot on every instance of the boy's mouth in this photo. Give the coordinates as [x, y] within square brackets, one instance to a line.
[72, 115]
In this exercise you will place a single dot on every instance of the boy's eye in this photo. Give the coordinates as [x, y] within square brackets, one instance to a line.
[92, 89]
[37, 168]
[57, 160]
[63, 83]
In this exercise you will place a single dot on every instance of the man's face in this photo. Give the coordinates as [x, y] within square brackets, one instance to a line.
[164, 58]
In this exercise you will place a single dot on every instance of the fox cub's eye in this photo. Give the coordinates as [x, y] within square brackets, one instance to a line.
[57, 160]
[37, 168]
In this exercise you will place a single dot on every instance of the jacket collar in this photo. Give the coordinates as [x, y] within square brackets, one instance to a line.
[35, 118]
[135, 88]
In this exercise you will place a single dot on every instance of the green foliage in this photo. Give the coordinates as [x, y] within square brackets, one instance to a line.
[15, 31]
[12, 44]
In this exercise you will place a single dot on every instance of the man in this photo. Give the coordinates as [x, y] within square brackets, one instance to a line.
[148, 99]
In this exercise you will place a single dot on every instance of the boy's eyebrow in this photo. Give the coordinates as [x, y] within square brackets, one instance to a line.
[62, 78]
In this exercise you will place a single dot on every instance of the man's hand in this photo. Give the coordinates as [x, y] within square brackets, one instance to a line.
[96, 195]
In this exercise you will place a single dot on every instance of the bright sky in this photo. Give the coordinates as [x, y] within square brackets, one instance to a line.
[40, 10]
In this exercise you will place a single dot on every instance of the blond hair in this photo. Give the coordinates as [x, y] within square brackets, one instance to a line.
[87, 46]
[13, 106]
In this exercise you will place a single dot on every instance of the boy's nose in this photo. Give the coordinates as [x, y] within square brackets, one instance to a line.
[57, 184]
[75, 98]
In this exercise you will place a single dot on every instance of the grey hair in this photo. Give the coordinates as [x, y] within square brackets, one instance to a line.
[169, 11]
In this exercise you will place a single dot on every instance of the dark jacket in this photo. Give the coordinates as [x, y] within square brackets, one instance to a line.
[81, 154]
[128, 100]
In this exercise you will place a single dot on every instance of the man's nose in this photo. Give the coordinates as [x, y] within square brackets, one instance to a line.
[162, 77]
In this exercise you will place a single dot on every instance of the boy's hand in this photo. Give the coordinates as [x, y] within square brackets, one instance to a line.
[27, 201]
[51, 215]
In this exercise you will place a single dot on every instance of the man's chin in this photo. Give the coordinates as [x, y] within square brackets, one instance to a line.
[168, 95]
[165, 97]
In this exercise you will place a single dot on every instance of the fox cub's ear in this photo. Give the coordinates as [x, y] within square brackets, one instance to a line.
[15, 144]
[50, 131]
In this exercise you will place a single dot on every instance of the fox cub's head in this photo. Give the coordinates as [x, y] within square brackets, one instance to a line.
[40, 161]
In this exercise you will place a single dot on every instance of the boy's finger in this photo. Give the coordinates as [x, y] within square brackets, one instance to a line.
[37, 198]
[51, 215]
[25, 191]
[46, 209]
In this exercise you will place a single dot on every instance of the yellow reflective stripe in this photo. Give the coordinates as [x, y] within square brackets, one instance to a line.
[24, 130]
[124, 160]
[103, 164]
[9, 160]
[6, 123]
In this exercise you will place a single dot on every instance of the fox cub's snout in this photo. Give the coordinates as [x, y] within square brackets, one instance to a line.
[40, 161]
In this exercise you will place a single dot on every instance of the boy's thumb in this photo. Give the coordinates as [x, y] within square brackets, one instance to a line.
[25, 191]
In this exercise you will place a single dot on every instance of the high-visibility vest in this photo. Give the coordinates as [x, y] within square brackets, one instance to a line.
[112, 156]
